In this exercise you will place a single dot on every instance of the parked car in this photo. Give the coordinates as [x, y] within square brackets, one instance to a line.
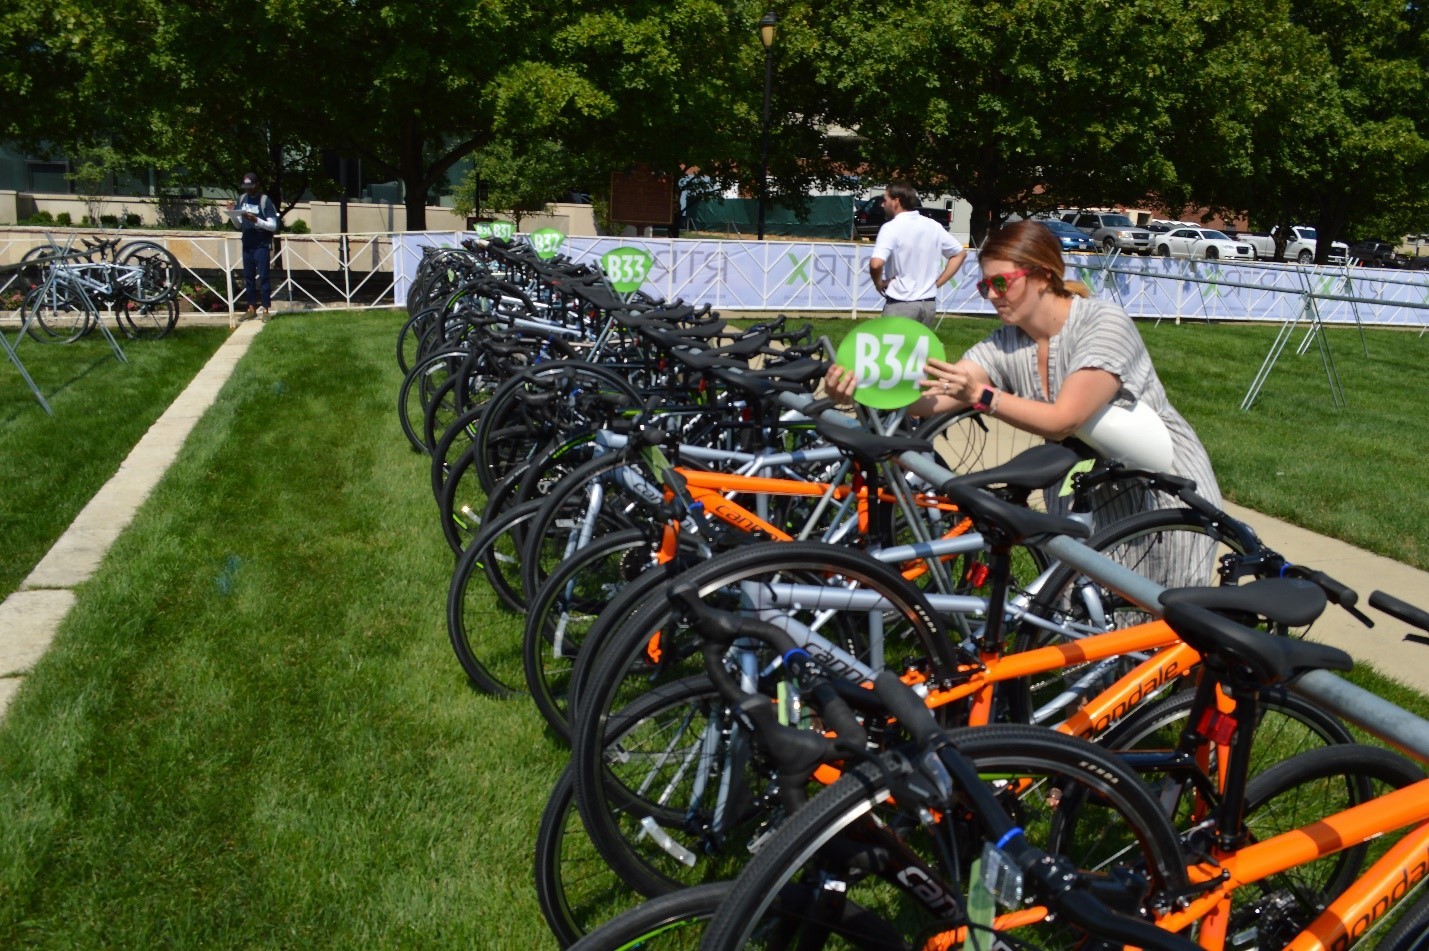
[1111, 230]
[1376, 253]
[1069, 237]
[1299, 248]
[1203, 244]
[868, 216]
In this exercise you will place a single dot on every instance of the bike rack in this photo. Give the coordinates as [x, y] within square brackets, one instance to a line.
[1370, 712]
[14, 270]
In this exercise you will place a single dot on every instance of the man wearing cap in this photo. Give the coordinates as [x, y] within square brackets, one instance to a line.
[259, 221]
[913, 256]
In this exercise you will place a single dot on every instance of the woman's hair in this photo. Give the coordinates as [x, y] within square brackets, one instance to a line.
[1030, 245]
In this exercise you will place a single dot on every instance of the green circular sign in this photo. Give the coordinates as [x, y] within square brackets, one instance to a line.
[626, 268]
[887, 356]
[504, 230]
[546, 241]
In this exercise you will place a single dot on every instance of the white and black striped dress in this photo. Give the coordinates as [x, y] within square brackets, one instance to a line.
[1099, 335]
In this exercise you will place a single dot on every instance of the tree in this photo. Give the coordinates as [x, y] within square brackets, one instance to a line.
[1011, 106]
[1328, 123]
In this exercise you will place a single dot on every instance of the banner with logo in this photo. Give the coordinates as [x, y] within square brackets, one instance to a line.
[833, 276]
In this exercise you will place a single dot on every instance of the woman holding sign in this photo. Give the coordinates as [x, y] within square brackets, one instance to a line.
[1063, 366]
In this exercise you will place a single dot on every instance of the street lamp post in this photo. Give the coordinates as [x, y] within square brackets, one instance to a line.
[767, 26]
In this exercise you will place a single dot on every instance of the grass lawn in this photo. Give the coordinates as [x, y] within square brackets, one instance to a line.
[51, 466]
[251, 731]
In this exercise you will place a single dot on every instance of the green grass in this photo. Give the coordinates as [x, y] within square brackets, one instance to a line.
[51, 466]
[251, 731]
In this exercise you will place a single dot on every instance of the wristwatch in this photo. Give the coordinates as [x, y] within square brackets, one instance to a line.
[984, 402]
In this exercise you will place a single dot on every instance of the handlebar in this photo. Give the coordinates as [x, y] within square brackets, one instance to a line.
[1400, 610]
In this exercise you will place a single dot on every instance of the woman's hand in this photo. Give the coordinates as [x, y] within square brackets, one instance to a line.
[956, 380]
[840, 384]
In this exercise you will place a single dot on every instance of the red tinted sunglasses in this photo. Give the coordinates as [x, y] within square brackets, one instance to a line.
[998, 284]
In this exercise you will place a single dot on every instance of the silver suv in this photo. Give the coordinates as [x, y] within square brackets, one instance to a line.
[1111, 230]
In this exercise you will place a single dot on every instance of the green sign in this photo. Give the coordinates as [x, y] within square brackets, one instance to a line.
[887, 356]
[504, 230]
[546, 241]
[482, 229]
[627, 268]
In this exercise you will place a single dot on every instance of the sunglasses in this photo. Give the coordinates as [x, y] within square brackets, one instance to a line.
[998, 284]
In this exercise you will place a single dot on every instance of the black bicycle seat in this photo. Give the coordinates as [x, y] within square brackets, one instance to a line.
[1266, 658]
[1290, 601]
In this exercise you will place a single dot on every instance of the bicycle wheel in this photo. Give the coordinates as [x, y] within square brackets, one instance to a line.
[968, 441]
[566, 607]
[673, 922]
[147, 321]
[1295, 793]
[585, 505]
[56, 313]
[549, 401]
[628, 790]
[484, 605]
[575, 886]
[418, 388]
[1411, 933]
[1174, 547]
[783, 898]
[148, 273]
[1288, 725]
[409, 337]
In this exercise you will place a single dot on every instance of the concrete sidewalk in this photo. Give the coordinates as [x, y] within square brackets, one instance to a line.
[30, 616]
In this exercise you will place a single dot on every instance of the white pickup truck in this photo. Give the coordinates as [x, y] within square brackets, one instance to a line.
[1301, 247]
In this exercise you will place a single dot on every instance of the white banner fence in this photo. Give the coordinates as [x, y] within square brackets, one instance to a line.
[827, 276]
[375, 270]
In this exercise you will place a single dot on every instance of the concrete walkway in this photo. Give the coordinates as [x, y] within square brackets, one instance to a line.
[30, 616]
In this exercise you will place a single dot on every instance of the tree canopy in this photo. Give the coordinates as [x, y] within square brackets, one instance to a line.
[1312, 110]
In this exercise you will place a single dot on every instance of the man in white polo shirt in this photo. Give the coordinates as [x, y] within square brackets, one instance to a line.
[912, 257]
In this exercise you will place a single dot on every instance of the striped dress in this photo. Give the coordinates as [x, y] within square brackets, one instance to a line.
[1099, 335]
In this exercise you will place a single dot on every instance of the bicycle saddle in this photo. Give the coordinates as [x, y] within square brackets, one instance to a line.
[1266, 658]
[867, 446]
[1031, 469]
[1006, 524]
[1288, 601]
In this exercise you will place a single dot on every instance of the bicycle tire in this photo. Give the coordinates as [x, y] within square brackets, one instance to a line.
[417, 388]
[584, 406]
[563, 611]
[158, 273]
[968, 441]
[410, 336]
[673, 922]
[1292, 794]
[575, 888]
[628, 664]
[483, 612]
[56, 314]
[1288, 726]
[453, 442]
[1411, 932]
[146, 321]
[1076, 602]
[586, 500]
[1001, 752]
[461, 506]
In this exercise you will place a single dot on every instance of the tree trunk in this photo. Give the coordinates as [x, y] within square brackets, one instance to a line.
[412, 171]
